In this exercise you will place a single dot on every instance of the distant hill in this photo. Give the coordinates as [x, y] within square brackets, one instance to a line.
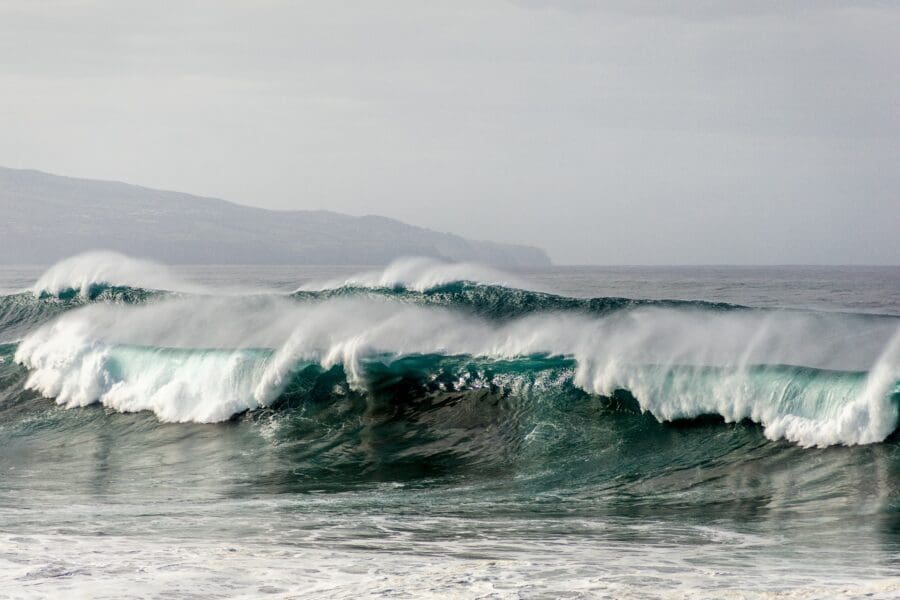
[47, 217]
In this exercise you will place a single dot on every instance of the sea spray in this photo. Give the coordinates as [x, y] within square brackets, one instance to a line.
[83, 273]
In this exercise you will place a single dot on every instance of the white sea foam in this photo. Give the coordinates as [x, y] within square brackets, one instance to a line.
[238, 353]
[469, 567]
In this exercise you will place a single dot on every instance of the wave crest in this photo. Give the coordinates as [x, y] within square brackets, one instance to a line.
[85, 273]
[418, 274]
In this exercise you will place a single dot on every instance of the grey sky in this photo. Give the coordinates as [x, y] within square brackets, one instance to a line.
[606, 132]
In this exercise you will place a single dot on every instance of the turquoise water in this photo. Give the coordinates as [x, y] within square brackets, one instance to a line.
[449, 432]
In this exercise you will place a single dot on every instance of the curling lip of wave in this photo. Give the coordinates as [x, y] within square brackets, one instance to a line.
[89, 355]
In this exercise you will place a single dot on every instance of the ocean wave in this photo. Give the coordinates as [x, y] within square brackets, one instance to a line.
[418, 274]
[89, 273]
[22, 312]
[84, 273]
[814, 379]
[498, 302]
[108, 277]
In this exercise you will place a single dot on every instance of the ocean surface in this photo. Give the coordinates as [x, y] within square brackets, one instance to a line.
[441, 430]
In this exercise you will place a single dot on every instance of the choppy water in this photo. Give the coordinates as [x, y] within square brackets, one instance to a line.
[448, 430]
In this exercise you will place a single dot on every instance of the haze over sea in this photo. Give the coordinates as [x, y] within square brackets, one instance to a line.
[448, 430]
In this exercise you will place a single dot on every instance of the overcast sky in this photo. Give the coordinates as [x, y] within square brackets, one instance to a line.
[616, 132]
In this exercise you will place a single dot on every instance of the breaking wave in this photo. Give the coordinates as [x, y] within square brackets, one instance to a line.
[814, 379]
[88, 274]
